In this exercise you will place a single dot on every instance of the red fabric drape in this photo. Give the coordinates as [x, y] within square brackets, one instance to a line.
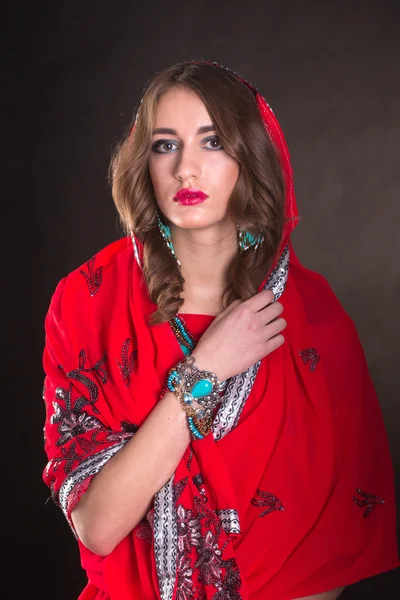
[297, 498]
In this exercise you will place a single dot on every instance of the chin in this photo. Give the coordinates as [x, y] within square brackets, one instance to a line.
[191, 220]
[192, 223]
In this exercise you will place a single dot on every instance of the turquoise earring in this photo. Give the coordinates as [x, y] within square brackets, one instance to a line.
[247, 240]
[166, 233]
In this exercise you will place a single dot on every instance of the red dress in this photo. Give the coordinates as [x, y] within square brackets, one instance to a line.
[295, 498]
[292, 493]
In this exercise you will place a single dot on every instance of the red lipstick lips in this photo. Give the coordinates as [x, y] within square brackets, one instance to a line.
[190, 196]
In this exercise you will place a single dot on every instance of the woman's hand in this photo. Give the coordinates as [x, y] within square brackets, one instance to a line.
[241, 335]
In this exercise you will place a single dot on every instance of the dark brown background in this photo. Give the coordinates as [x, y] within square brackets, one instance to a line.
[72, 73]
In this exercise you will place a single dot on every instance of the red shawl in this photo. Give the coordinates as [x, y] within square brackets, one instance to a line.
[292, 494]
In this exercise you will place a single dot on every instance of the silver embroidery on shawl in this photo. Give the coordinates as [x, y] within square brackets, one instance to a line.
[278, 278]
[165, 539]
[237, 392]
[229, 520]
[87, 468]
[239, 387]
[135, 249]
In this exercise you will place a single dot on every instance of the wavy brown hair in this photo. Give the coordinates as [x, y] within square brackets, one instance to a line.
[257, 201]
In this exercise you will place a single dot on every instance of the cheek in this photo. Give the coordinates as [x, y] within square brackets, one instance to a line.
[157, 176]
[226, 174]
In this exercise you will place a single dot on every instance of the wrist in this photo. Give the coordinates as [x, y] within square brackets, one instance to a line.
[169, 399]
[198, 392]
[204, 363]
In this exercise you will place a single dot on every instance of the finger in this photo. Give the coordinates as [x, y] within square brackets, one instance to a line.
[269, 313]
[275, 342]
[260, 300]
[275, 328]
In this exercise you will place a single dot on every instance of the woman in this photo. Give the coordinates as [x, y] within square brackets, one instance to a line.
[212, 430]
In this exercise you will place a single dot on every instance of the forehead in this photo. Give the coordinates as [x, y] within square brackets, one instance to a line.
[180, 105]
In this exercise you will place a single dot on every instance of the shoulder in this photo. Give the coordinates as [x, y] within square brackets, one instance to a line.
[90, 286]
[109, 258]
[327, 317]
[319, 300]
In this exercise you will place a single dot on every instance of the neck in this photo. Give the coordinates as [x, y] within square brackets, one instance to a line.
[205, 256]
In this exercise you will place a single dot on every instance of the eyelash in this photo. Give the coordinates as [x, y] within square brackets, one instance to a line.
[155, 147]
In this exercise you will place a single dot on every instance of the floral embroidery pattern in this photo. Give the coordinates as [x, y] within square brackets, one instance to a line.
[184, 580]
[99, 369]
[200, 552]
[367, 501]
[189, 461]
[127, 364]
[188, 527]
[76, 493]
[178, 488]
[310, 354]
[80, 433]
[267, 500]
[209, 561]
[231, 585]
[127, 430]
[93, 277]
[69, 456]
[198, 481]
[73, 420]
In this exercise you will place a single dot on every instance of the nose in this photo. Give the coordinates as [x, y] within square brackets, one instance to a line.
[188, 164]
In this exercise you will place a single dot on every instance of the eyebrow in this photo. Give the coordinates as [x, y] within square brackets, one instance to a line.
[203, 129]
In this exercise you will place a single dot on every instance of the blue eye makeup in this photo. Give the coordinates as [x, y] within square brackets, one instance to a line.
[160, 146]
[214, 138]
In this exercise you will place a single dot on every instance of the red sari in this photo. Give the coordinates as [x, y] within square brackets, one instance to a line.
[292, 493]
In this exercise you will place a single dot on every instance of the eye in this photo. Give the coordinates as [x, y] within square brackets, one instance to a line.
[163, 146]
[214, 142]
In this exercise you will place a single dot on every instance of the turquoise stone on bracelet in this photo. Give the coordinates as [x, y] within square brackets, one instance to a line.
[195, 432]
[202, 388]
[188, 344]
[185, 350]
[173, 377]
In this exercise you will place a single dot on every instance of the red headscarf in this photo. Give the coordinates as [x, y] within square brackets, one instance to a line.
[291, 495]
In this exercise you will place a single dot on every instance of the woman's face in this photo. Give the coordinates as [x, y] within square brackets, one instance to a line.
[189, 155]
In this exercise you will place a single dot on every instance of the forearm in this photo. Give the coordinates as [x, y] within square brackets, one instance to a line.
[122, 492]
